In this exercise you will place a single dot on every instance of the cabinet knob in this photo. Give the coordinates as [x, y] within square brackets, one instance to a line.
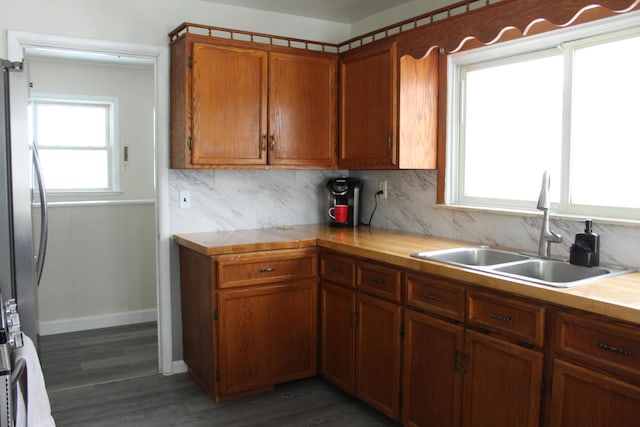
[267, 270]
[264, 142]
[273, 143]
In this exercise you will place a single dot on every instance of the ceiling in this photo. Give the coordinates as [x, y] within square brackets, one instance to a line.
[346, 11]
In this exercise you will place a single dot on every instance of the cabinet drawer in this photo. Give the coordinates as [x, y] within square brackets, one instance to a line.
[513, 318]
[379, 280]
[338, 269]
[600, 342]
[435, 295]
[265, 267]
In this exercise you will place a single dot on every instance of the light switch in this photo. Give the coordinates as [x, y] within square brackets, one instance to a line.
[185, 199]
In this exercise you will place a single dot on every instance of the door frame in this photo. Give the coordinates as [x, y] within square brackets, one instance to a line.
[17, 41]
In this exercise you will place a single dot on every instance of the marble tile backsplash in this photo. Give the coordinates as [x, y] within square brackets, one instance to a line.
[236, 199]
[410, 207]
[239, 199]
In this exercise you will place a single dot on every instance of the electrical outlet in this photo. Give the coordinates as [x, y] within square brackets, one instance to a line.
[382, 186]
[185, 199]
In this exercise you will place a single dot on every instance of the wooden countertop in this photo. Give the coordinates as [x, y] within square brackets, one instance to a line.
[618, 297]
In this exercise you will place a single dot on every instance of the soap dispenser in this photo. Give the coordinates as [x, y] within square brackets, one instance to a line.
[586, 249]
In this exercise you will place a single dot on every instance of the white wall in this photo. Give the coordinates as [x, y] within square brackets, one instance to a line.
[100, 266]
[134, 88]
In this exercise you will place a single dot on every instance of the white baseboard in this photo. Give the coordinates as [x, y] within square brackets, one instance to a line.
[179, 367]
[96, 322]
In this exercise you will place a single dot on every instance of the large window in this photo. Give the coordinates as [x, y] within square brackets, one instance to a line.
[566, 103]
[75, 140]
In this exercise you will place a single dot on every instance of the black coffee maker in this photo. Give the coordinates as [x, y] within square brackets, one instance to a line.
[344, 196]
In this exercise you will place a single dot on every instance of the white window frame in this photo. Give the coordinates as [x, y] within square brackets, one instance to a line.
[583, 34]
[112, 141]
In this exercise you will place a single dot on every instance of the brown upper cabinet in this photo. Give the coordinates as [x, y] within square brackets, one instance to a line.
[242, 104]
[368, 111]
[389, 109]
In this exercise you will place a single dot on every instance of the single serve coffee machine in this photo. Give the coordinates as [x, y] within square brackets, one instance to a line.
[344, 196]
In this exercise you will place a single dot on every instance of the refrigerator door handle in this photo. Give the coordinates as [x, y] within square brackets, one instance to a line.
[44, 216]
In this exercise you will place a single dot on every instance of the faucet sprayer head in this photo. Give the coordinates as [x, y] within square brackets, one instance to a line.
[543, 199]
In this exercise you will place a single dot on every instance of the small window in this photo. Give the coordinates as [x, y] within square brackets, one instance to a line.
[568, 106]
[75, 140]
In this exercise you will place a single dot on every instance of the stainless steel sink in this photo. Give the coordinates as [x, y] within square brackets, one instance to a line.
[554, 272]
[471, 256]
[550, 272]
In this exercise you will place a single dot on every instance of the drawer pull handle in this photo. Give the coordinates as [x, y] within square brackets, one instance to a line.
[620, 350]
[432, 297]
[376, 280]
[505, 319]
[267, 270]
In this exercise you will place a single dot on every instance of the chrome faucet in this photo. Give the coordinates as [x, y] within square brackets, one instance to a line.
[546, 235]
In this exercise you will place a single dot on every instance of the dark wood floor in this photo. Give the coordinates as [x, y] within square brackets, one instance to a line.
[117, 386]
[97, 356]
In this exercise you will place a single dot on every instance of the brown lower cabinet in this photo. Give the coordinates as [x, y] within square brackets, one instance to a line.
[502, 383]
[596, 372]
[267, 335]
[433, 352]
[432, 382]
[584, 397]
[249, 320]
[378, 354]
[338, 338]
[457, 376]
[360, 346]
[361, 333]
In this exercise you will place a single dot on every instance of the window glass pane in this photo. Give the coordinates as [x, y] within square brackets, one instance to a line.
[605, 131]
[75, 169]
[77, 125]
[513, 128]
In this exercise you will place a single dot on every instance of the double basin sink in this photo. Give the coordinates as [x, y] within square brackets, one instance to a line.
[550, 272]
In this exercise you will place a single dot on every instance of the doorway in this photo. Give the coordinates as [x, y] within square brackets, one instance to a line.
[27, 45]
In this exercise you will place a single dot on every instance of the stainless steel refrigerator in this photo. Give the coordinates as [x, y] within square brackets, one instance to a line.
[22, 243]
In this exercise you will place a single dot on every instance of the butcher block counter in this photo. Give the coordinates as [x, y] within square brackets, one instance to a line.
[617, 297]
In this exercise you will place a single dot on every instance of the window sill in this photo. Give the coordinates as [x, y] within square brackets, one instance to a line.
[536, 213]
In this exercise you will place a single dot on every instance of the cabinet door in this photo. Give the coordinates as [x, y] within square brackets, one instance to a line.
[229, 105]
[302, 110]
[582, 397]
[267, 335]
[418, 115]
[338, 336]
[369, 108]
[502, 383]
[378, 354]
[432, 374]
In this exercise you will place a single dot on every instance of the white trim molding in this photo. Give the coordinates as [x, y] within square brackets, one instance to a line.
[179, 367]
[76, 324]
